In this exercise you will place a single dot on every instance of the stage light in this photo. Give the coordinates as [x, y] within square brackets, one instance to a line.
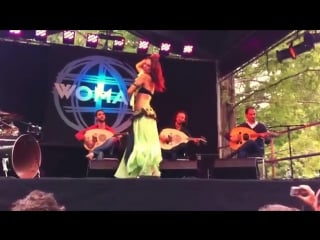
[187, 50]
[118, 43]
[309, 39]
[68, 37]
[165, 48]
[92, 40]
[41, 35]
[143, 47]
[15, 33]
[293, 51]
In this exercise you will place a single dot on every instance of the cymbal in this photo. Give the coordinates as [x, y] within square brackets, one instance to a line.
[12, 117]
[2, 113]
[9, 116]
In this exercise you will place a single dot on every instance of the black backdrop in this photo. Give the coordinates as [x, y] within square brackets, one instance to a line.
[27, 75]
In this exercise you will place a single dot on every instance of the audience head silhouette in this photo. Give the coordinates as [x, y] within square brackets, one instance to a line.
[277, 207]
[37, 200]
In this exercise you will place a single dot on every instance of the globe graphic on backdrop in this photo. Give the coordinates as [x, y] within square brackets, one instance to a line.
[91, 83]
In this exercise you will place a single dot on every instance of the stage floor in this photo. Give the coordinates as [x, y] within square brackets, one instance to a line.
[148, 194]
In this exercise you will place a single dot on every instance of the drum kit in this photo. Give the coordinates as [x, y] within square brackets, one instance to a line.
[20, 152]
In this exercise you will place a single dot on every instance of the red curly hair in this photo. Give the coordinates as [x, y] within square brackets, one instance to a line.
[156, 73]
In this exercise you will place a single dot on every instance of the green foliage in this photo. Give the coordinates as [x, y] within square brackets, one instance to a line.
[286, 93]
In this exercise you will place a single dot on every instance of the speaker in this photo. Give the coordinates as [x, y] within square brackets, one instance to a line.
[169, 169]
[235, 169]
[183, 168]
[102, 168]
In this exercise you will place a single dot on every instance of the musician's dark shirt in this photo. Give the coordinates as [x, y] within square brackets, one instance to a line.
[259, 128]
[252, 148]
[183, 129]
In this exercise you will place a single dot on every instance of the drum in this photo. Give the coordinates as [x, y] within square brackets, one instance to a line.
[24, 155]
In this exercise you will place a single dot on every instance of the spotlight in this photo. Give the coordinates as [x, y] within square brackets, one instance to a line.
[308, 39]
[118, 43]
[143, 47]
[294, 51]
[187, 50]
[92, 40]
[15, 33]
[41, 35]
[68, 37]
[165, 48]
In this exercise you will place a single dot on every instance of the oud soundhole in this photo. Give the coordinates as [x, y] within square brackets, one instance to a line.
[245, 136]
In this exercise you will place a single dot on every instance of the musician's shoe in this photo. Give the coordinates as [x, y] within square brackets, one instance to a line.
[90, 156]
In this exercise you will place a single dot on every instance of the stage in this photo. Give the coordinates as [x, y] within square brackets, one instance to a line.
[205, 184]
[148, 194]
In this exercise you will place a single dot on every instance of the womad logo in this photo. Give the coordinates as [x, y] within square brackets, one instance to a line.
[91, 83]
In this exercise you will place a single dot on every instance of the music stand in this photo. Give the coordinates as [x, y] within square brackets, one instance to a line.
[291, 127]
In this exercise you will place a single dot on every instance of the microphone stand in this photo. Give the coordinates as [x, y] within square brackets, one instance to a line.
[290, 151]
[289, 129]
[29, 124]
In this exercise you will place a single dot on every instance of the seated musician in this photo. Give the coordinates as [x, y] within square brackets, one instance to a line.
[251, 148]
[183, 150]
[96, 148]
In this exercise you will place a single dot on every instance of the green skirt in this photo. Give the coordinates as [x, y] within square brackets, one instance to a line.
[145, 156]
